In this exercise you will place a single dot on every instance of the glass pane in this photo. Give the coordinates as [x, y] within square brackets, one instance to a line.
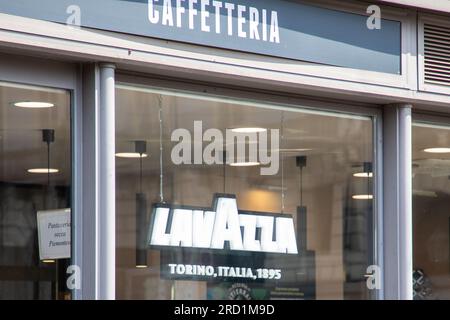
[431, 211]
[287, 215]
[34, 137]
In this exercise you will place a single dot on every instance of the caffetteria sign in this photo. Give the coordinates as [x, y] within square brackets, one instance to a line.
[252, 22]
[223, 227]
[279, 28]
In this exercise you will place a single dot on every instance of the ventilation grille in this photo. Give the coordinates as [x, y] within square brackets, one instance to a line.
[437, 54]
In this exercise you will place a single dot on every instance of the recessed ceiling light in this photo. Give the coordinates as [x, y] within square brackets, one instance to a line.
[244, 164]
[272, 188]
[43, 170]
[437, 150]
[141, 266]
[248, 130]
[48, 261]
[363, 175]
[131, 155]
[425, 193]
[362, 197]
[33, 104]
[295, 150]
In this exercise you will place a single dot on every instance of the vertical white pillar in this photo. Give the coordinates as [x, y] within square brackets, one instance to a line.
[405, 203]
[107, 188]
[397, 198]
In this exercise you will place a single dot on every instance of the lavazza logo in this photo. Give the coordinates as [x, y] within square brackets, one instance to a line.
[212, 229]
[239, 147]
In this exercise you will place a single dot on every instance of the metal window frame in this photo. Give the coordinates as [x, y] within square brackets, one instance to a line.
[84, 85]
[62, 76]
[243, 94]
[432, 119]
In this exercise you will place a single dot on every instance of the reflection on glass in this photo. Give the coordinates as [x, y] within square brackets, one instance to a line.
[35, 175]
[312, 188]
[431, 211]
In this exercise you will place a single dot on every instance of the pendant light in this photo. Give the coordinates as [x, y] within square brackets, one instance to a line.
[282, 178]
[141, 211]
[368, 170]
[301, 209]
[48, 137]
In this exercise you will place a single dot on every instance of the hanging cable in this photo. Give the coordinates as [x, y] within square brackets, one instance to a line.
[161, 173]
[224, 160]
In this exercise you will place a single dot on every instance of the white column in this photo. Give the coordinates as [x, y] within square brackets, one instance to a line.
[405, 203]
[107, 188]
[397, 198]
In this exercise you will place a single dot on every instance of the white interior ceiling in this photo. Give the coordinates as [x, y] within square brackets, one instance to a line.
[338, 144]
[21, 144]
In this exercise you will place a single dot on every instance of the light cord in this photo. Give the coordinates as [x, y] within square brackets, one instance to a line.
[161, 172]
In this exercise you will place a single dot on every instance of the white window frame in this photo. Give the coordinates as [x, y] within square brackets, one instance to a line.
[36, 72]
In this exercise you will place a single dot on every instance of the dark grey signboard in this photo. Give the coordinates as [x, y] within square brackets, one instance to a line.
[278, 28]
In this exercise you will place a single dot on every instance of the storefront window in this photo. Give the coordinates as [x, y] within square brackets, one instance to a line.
[287, 215]
[431, 211]
[35, 188]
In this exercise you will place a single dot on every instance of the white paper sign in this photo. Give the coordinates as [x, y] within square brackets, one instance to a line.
[54, 234]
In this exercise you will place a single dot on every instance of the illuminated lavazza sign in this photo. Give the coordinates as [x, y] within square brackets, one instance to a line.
[222, 228]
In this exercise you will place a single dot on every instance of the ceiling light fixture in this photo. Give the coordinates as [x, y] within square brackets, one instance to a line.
[131, 155]
[363, 175]
[248, 130]
[244, 164]
[33, 104]
[48, 261]
[437, 150]
[43, 170]
[362, 197]
[294, 150]
[425, 193]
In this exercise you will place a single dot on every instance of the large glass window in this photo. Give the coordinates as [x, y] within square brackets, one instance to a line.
[35, 184]
[431, 211]
[226, 199]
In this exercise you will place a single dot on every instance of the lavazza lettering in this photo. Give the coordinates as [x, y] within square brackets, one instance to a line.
[207, 16]
[212, 229]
